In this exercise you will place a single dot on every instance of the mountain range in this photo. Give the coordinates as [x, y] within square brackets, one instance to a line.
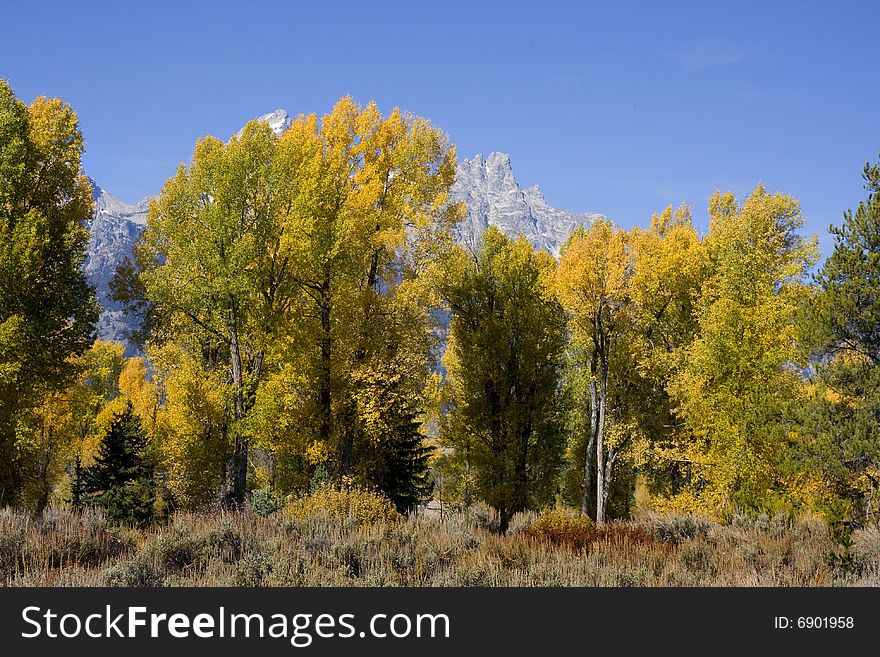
[486, 184]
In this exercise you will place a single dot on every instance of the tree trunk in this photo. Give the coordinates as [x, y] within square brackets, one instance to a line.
[609, 467]
[44, 492]
[76, 492]
[240, 453]
[590, 447]
[601, 493]
[325, 390]
[521, 478]
[503, 520]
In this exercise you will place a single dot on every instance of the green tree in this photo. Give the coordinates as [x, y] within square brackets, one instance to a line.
[740, 380]
[95, 389]
[47, 309]
[191, 427]
[504, 361]
[847, 310]
[280, 261]
[121, 479]
[670, 267]
[390, 451]
[840, 437]
[214, 266]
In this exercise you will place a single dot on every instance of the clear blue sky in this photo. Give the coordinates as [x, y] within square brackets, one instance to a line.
[613, 107]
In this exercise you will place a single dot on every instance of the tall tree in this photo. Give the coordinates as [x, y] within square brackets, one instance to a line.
[369, 213]
[739, 382]
[279, 261]
[847, 311]
[47, 309]
[593, 284]
[840, 432]
[213, 259]
[504, 362]
[670, 266]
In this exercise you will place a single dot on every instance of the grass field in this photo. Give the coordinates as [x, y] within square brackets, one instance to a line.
[64, 548]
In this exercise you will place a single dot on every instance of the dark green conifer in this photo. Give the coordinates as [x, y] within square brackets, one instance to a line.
[121, 480]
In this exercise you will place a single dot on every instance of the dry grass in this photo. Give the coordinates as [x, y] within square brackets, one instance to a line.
[221, 549]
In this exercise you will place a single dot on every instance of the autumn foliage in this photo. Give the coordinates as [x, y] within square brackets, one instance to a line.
[314, 337]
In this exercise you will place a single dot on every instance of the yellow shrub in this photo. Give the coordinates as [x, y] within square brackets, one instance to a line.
[329, 502]
[563, 526]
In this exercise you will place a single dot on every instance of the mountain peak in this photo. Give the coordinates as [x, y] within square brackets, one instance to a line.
[485, 183]
[498, 159]
[279, 120]
[494, 198]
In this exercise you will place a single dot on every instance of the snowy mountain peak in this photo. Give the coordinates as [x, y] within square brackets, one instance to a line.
[279, 120]
[486, 184]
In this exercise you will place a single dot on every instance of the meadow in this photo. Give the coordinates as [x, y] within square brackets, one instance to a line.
[314, 547]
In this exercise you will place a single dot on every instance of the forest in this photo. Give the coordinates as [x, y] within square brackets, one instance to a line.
[314, 341]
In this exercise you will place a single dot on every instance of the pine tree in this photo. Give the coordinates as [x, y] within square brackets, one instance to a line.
[848, 308]
[391, 453]
[841, 440]
[121, 479]
[404, 477]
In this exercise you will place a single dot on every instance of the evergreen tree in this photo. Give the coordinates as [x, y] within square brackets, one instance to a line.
[841, 443]
[848, 307]
[391, 453]
[404, 476]
[121, 478]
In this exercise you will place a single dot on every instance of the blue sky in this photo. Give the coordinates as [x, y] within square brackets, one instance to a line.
[613, 107]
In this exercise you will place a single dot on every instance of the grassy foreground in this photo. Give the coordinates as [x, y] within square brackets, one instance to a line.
[222, 549]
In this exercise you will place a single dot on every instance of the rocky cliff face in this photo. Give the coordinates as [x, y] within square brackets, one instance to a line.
[494, 198]
[112, 233]
[486, 184]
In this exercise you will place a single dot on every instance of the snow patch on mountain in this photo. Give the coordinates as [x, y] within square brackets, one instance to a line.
[279, 121]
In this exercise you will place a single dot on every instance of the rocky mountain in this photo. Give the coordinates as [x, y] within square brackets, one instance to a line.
[486, 184]
[112, 232]
[494, 198]
[279, 121]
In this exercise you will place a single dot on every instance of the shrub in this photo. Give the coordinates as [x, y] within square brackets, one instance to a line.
[227, 543]
[363, 506]
[263, 503]
[138, 571]
[482, 516]
[563, 527]
[10, 551]
[865, 548]
[178, 551]
[677, 528]
[619, 533]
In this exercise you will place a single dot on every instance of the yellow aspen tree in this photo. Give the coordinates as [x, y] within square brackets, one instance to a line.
[593, 283]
